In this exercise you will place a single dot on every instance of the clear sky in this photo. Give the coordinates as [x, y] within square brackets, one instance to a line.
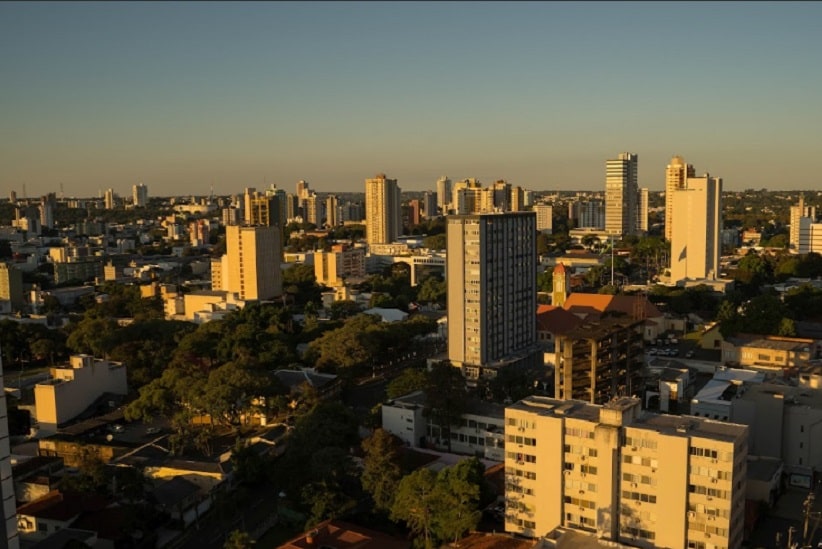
[182, 95]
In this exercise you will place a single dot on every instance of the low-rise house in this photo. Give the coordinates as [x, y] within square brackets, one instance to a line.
[767, 353]
[53, 512]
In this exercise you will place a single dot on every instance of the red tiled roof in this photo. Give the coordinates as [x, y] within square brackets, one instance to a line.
[555, 320]
[344, 535]
[57, 505]
[582, 303]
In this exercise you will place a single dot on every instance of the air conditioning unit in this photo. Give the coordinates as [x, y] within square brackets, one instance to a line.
[713, 480]
[582, 458]
[691, 514]
[633, 485]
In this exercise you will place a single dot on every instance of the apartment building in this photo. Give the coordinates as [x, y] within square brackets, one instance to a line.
[342, 262]
[491, 275]
[624, 475]
[599, 359]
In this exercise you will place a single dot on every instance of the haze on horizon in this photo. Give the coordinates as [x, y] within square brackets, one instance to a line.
[181, 96]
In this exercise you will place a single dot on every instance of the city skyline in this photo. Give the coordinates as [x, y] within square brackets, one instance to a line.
[183, 96]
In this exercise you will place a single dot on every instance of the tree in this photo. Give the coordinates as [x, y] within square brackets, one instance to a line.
[445, 394]
[435, 242]
[344, 309]
[238, 539]
[409, 380]
[432, 290]
[381, 471]
[459, 487]
[416, 504]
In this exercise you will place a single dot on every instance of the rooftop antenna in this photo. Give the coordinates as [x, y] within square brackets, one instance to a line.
[61, 191]
[25, 196]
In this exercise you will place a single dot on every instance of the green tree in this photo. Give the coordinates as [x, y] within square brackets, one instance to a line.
[381, 471]
[409, 380]
[344, 309]
[417, 503]
[445, 394]
[435, 242]
[432, 290]
[238, 539]
[458, 508]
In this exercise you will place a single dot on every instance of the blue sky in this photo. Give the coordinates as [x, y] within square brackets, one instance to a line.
[183, 95]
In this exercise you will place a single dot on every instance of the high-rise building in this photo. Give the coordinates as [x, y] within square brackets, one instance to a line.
[282, 207]
[11, 285]
[797, 213]
[252, 265]
[621, 194]
[332, 211]
[429, 205]
[331, 268]
[443, 194]
[517, 199]
[383, 216]
[545, 217]
[695, 235]
[587, 213]
[262, 209]
[623, 475]
[467, 197]
[676, 177]
[501, 196]
[313, 209]
[110, 199]
[47, 205]
[8, 520]
[642, 211]
[600, 359]
[491, 276]
[139, 195]
[411, 214]
[303, 191]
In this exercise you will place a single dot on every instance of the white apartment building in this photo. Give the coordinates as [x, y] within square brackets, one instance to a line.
[480, 430]
[695, 235]
[643, 479]
[545, 221]
[491, 276]
[72, 389]
[799, 213]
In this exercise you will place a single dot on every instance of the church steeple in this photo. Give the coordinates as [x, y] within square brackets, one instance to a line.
[561, 281]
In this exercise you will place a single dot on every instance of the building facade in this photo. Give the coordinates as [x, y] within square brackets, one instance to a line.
[11, 285]
[491, 276]
[252, 267]
[676, 177]
[8, 517]
[139, 195]
[637, 478]
[383, 217]
[599, 360]
[695, 235]
[545, 221]
[621, 194]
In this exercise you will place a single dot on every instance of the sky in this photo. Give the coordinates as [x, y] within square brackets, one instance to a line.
[186, 96]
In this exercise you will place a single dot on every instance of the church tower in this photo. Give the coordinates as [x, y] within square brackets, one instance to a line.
[561, 282]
